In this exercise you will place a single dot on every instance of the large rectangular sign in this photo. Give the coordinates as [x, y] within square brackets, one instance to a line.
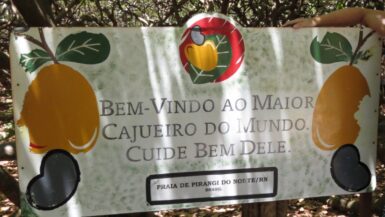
[121, 120]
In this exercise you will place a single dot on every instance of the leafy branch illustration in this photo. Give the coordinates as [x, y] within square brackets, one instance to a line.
[334, 47]
[82, 47]
[361, 42]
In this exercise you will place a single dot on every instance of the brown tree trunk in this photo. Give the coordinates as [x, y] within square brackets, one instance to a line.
[35, 12]
[269, 209]
[9, 187]
[381, 136]
[381, 150]
[365, 205]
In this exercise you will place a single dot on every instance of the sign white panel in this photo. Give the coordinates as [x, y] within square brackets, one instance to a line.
[121, 120]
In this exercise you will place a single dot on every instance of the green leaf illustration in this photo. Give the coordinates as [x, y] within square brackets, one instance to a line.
[363, 56]
[83, 47]
[224, 57]
[31, 61]
[333, 48]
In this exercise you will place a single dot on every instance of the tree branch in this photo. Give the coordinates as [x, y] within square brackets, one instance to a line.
[9, 187]
[225, 6]
[34, 12]
[45, 46]
[64, 12]
[361, 42]
[4, 60]
[42, 43]
[171, 11]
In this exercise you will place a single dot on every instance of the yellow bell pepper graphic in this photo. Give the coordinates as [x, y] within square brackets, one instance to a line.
[203, 57]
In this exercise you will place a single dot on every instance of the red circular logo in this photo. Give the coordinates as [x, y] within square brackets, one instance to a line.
[211, 50]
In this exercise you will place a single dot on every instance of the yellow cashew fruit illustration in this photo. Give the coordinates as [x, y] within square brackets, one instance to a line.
[60, 108]
[334, 123]
[204, 57]
[60, 111]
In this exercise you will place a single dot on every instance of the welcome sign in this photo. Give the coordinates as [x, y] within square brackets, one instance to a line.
[121, 120]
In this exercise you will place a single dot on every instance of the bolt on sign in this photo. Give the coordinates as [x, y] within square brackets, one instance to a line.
[123, 120]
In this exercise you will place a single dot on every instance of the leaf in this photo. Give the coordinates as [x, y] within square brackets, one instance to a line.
[333, 48]
[363, 56]
[340, 5]
[83, 47]
[31, 61]
[224, 51]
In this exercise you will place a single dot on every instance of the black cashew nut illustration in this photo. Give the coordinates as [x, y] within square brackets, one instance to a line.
[348, 171]
[57, 182]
